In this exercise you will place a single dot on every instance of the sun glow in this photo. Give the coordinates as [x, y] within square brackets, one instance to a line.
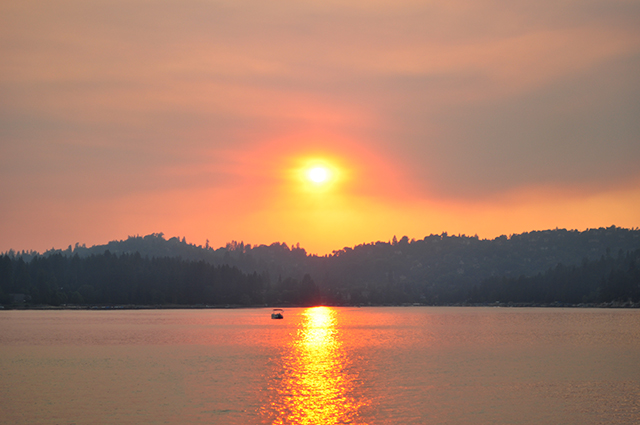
[318, 174]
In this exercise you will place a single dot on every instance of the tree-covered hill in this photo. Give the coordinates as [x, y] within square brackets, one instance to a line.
[442, 268]
[109, 279]
[437, 269]
[608, 279]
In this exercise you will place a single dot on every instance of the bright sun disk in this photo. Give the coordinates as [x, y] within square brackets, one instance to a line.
[318, 174]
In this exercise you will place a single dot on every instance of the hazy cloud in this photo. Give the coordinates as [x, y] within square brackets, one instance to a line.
[465, 99]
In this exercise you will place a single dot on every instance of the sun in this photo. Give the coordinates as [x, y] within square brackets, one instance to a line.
[319, 174]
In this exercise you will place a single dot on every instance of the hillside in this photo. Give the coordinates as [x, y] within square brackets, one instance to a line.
[437, 269]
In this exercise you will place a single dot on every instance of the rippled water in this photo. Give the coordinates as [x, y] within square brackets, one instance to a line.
[321, 365]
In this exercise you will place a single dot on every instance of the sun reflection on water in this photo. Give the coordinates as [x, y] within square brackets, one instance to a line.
[315, 386]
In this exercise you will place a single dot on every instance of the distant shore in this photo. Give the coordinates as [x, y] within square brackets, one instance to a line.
[625, 305]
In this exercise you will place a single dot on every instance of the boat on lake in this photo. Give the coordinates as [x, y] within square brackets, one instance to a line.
[277, 313]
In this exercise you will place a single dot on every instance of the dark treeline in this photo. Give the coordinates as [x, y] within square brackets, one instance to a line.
[108, 279]
[438, 269]
[605, 280]
[444, 269]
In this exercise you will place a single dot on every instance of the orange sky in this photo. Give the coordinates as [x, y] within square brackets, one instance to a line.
[195, 118]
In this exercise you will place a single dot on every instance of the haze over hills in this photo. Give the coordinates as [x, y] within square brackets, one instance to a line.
[434, 270]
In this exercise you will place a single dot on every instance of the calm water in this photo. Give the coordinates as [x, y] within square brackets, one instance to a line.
[322, 365]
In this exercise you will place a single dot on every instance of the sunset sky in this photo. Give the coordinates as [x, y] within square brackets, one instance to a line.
[203, 118]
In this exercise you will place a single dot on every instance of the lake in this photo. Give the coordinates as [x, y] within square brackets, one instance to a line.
[323, 365]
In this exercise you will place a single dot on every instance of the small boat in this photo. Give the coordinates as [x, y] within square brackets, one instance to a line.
[277, 313]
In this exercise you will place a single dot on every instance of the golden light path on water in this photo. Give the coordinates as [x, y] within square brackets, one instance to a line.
[316, 387]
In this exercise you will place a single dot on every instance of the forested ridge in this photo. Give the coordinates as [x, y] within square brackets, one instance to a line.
[125, 279]
[130, 279]
[541, 267]
[609, 279]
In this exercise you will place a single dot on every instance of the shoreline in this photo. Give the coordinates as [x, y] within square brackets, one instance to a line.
[605, 305]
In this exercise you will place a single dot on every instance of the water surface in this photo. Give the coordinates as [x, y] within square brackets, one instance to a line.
[391, 365]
